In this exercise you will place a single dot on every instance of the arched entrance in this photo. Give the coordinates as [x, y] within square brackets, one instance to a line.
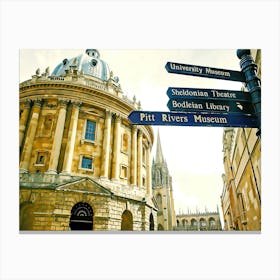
[81, 217]
[152, 224]
[26, 216]
[160, 227]
[127, 221]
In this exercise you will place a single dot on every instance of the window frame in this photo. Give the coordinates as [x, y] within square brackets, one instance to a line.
[43, 153]
[47, 132]
[125, 149]
[84, 139]
[81, 162]
[126, 167]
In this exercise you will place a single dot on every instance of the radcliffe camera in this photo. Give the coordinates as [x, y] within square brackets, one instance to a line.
[168, 147]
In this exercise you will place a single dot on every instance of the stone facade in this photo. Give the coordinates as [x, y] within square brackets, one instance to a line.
[199, 221]
[241, 195]
[81, 161]
[163, 191]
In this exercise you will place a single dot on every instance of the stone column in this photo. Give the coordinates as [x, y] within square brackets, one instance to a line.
[140, 157]
[106, 145]
[23, 120]
[149, 171]
[31, 131]
[68, 158]
[134, 156]
[57, 138]
[116, 149]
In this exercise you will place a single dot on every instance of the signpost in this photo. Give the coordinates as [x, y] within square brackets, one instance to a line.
[253, 83]
[191, 119]
[204, 71]
[210, 106]
[217, 94]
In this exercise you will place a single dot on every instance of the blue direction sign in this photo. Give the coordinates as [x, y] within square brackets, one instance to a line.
[217, 94]
[191, 119]
[210, 106]
[204, 71]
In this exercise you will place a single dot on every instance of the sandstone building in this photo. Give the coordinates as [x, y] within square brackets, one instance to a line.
[83, 166]
[163, 191]
[241, 195]
[199, 221]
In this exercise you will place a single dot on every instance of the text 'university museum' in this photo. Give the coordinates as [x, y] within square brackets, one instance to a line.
[84, 166]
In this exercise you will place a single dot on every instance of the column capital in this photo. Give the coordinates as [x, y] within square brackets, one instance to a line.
[27, 103]
[38, 103]
[76, 103]
[62, 102]
[140, 132]
[134, 128]
[108, 114]
[118, 117]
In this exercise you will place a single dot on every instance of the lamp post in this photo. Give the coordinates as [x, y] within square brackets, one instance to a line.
[253, 83]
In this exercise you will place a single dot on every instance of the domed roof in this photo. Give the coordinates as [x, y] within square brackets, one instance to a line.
[88, 64]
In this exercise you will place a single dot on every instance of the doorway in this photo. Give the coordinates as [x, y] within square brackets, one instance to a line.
[81, 217]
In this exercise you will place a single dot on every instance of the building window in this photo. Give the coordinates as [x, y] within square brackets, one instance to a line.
[86, 163]
[159, 201]
[144, 156]
[48, 125]
[90, 130]
[41, 158]
[125, 143]
[144, 182]
[123, 172]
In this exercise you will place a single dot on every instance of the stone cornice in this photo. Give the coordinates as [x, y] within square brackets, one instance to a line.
[76, 91]
[84, 94]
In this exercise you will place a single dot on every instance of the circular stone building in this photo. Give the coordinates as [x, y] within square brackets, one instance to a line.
[83, 166]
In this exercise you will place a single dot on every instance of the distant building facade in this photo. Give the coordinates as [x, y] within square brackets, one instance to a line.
[163, 191]
[83, 166]
[241, 195]
[199, 221]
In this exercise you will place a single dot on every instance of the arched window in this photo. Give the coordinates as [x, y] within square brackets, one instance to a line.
[158, 177]
[81, 217]
[159, 201]
[127, 221]
[152, 224]
[202, 224]
[193, 222]
[212, 223]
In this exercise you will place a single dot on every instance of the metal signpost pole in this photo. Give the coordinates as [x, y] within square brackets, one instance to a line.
[253, 83]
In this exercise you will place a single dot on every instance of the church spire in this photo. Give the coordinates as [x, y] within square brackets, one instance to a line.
[159, 154]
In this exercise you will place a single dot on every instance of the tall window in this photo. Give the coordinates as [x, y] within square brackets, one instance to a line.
[90, 130]
[125, 143]
[47, 125]
[144, 156]
[159, 201]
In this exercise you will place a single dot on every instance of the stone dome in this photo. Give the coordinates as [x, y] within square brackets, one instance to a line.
[87, 64]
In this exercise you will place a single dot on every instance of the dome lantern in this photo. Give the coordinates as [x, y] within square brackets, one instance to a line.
[88, 63]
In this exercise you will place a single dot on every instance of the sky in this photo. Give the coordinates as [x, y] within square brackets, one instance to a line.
[193, 154]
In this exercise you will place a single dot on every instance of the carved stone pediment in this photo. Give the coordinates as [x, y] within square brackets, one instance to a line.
[84, 185]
